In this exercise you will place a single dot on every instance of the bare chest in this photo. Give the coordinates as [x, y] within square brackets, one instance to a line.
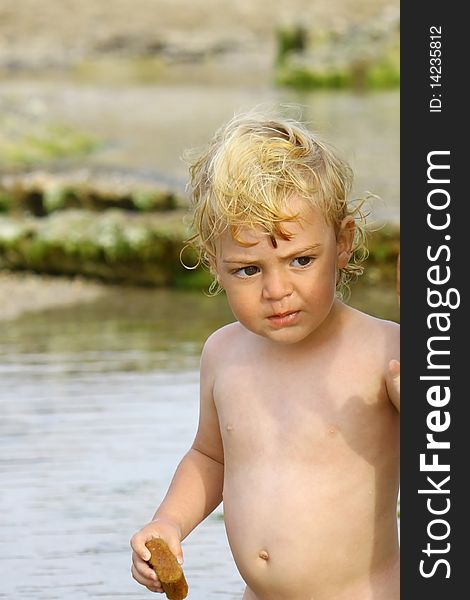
[309, 416]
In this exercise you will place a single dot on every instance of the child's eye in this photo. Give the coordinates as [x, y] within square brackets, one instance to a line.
[247, 271]
[302, 261]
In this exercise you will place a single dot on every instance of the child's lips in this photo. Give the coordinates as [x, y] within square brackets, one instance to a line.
[284, 319]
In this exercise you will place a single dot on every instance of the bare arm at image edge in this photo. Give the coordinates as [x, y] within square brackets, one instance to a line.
[195, 490]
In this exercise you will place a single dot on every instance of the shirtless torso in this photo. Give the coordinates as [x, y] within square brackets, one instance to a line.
[310, 443]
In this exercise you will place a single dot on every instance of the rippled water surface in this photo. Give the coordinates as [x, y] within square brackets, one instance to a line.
[98, 403]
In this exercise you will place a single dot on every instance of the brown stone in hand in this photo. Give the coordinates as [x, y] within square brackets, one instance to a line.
[168, 570]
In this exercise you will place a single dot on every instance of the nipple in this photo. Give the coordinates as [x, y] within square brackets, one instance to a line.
[264, 555]
[229, 427]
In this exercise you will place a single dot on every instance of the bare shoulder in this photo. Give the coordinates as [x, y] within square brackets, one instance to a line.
[379, 335]
[389, 329]
[221, 343]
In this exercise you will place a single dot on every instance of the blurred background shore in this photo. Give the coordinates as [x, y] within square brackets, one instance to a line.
[55, 35]
[98, 104]
[101, 327]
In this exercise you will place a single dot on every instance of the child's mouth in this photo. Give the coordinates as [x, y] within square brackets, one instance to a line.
[284, 319]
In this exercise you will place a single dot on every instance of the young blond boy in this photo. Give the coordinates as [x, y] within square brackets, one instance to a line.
[299, 406]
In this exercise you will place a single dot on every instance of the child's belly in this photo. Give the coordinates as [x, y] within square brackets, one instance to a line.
[293, 538]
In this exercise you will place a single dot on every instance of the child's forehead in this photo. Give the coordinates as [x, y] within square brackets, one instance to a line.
[308, 226]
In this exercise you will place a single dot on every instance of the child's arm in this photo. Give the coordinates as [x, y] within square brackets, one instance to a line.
[195, 490]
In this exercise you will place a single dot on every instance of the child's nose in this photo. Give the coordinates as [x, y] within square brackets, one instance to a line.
[276, 286]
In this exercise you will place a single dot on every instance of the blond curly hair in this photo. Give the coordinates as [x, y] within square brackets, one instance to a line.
[252, 167]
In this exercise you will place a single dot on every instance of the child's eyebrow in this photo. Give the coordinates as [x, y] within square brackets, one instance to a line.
[245, 259]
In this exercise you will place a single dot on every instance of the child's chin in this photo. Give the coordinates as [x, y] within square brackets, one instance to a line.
[287, 335]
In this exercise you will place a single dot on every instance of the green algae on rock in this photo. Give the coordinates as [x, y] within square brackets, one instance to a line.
[113, 246]
[41, 192]
[25, 141]
[362, 58]
[141, 249]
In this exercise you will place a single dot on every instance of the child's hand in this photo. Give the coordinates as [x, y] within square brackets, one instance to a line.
[392, 381]
[141, 571]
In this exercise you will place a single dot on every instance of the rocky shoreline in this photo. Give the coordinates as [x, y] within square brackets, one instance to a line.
[39, 227]
[21, 293]
[114, 230]
[172, 31]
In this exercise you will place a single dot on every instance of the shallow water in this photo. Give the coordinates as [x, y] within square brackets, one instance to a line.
[98, 404]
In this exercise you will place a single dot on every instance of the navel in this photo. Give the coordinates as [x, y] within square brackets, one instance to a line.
[263, 555]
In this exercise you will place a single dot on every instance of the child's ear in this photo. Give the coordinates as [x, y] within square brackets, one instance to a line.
[344, 241]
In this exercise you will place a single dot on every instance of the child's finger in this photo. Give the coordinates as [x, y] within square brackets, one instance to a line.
[139, 547]
[394, 377]
[175, 547]
[149, 580]
[143, 568]
[392, 381]
[394, 368]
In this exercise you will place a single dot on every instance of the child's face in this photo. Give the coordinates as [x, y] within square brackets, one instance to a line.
[284, 293]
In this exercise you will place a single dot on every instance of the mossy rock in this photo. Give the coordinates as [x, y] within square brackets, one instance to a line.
[384, 245]
[304, 78]
[112, 246]
[25, 142]
[40, 193]
[116, 246]
[6, 202]
[290, 40]
[359, 74]
[384, 248]
[360, 58]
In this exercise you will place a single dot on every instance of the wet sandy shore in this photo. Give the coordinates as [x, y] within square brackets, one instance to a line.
[172, 29]
[27, 292]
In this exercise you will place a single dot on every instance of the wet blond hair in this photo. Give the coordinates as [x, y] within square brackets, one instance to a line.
[251, 169]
